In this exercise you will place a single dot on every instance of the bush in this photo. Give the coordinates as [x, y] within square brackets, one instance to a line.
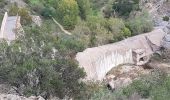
[3, 3]
[124, 7]
[37, 69]
[84, 8]
[47, 12]
[118, 29]
[67, 13]
[165, 18]
[155, 86]
[13, 10]
[23, 12]
[25, 16]
[98, 31]
[107, 11]
[126, 32]
[140, 24]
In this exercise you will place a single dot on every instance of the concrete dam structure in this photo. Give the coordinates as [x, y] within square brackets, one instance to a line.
[9, 27]
[98, 61]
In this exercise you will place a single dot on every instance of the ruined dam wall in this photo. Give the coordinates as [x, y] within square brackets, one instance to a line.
[98, 61]
[107, 61]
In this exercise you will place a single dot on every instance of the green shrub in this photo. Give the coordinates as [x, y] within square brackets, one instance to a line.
[154, 85]
[126, 32]
[140, 24]
[124, 7]
[1, 18]
[23, 12]
[84, 8]
[118, 29]
[47, 12]
[107, 11]
[25, 16]
[36, 70]
[67, 13]
[3, 3]
[166, 18]
[98, 30]
[13, 10]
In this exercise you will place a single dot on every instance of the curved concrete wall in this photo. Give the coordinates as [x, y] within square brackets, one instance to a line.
[97, 61]
[106, 62]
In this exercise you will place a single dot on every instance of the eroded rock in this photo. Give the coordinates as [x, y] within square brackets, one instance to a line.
[16, 97]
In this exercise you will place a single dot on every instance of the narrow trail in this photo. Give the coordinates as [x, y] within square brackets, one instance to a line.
[61, 27]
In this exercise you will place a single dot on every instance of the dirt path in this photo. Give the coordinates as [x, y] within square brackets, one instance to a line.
[61, 27]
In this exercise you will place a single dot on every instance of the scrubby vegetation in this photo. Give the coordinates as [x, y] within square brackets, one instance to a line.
[41, 61]
[125, 7]
[166, 18]
[154, 86]
[140, 24]
[23, 12]
[32, 63]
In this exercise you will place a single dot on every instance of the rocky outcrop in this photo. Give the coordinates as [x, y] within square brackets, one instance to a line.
[166, 42]
[37, 20]
[16, 97]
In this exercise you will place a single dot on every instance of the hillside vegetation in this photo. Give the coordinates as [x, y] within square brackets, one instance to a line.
[41, 61]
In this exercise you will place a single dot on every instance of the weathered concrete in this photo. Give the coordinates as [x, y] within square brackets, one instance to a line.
[9, 27]
[3, 25]
[98, 61]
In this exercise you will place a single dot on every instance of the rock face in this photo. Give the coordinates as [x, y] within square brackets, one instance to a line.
[16, 97]
[157, 10]
[98, 61]
[166, 42]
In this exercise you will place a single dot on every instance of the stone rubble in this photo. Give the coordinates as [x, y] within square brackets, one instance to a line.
[16, 97]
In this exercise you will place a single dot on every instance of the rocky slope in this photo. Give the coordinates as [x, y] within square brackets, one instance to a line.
[16, 97]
